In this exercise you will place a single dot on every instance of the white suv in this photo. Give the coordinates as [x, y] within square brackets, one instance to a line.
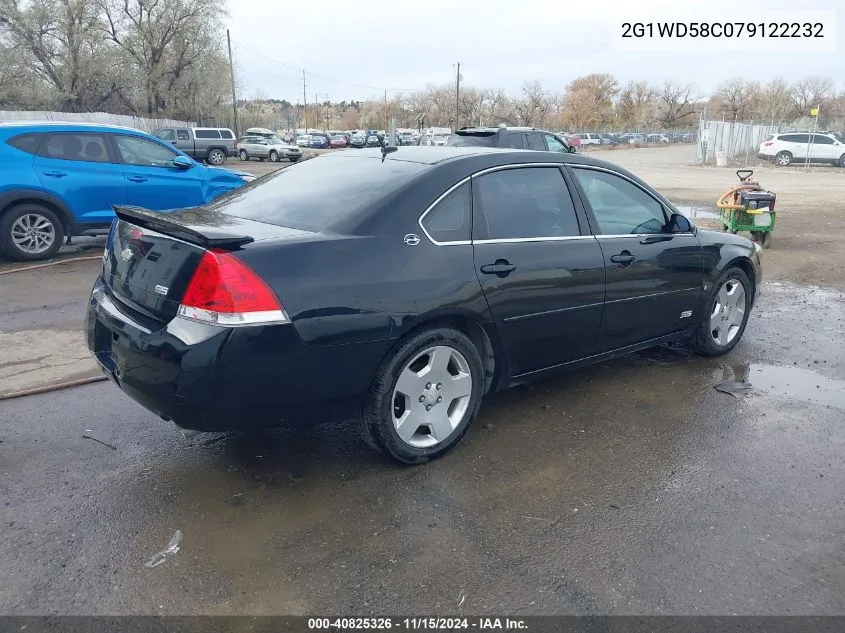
[785, 149]
[589, 139]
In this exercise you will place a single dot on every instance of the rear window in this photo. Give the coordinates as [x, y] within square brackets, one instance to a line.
[206, 133]
[28, 143]
[472, 139]
[318, 193]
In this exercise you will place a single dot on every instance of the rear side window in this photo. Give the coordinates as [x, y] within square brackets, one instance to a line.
[183, 135]
[28, 143]
[73, 146]
[226, 134]
[449, 220]
[472, 140]
[206, 133]
[514, 140]
[315, 194]
[529, 202]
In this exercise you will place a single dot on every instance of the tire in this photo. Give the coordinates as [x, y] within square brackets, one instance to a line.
[243, 155]
[783, 159]
[841, 161]
[445, 352]
[274, 156]
[30, 216]
[723, 320]
[216, 157]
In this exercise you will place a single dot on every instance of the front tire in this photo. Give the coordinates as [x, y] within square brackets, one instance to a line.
[274, 156]
[729, 306]
[841, 161]
[30, 232]
[784, 159]
[425, 396]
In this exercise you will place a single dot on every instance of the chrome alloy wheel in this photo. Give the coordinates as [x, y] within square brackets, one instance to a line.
[728, 312]
[33, 233]
[432, 396]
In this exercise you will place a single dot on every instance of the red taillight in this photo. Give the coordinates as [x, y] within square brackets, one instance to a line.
[225, 291]
[767, 143]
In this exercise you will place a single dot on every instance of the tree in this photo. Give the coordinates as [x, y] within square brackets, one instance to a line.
[164, 40]
[676, 104]
[738, 98]
[533, 108]
[589, 101]
[775, 101]
[636, 106]
[809, 93]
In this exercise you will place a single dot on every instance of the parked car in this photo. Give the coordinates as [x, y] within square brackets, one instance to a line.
[783, 149]
[320, 141]
[303, 140]
[512, 137]
[607, 139]
[210, 144]
[573, 140]
[632, 139]
[589, 139]
[62, 179]
[374, 140]
[339, 140]
[358, 140]
[447, 274]
[271, 148]
[656, 139]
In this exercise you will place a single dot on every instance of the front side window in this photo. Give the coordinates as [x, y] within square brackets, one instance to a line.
[167, 135]
[821, 139]
[554, 144]
[74, 146]
[142, 152]
[620, 207]
[449, 220]
[528, 202]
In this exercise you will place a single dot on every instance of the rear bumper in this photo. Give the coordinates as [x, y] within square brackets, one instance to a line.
[209, 378]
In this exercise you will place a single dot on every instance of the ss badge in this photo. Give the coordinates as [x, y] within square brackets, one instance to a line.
[161, 290]
[686, 314]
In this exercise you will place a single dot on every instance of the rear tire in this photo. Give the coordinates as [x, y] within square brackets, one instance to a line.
[243, 155]
[430, 386]
[723, 322]
[783, 159]
[30, 232]
[216, 157]
[841, 161]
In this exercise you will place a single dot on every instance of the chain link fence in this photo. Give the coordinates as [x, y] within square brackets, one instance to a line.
[723, 143]
[138, 123]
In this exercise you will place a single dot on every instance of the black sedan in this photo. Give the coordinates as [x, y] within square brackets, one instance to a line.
[400, 286]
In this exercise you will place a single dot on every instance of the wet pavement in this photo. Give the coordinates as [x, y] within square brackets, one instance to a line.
[629, 487]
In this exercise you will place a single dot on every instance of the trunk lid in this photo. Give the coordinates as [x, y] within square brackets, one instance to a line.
[150, 257]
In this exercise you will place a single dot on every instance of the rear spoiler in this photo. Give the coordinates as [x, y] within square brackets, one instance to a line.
[204, 235]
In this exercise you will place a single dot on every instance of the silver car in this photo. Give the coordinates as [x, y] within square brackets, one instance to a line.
[263, 148]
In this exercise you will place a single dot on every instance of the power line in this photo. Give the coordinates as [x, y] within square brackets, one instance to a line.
[324, 77]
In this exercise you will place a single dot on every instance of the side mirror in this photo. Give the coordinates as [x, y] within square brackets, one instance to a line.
[679, 224]
[572, 149]
[183, 162]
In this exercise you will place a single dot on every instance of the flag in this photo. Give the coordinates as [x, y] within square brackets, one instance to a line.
[814, 112]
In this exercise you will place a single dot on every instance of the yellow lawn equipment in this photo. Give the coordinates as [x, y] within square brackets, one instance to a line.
[748, 207]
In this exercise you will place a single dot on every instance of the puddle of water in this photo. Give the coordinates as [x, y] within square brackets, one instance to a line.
[793, 382]
[697, 212]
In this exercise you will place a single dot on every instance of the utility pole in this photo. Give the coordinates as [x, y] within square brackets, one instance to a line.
[232, 71]
[304, 103]
[458, 97]
[386, 123]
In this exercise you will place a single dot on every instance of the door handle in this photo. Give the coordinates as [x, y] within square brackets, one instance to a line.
[653, 239]
[55, 174]
[502, 267]
[624, 258]
[137, 179]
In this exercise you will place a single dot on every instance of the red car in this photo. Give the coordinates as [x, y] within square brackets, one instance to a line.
[339, 140]
[574, 140]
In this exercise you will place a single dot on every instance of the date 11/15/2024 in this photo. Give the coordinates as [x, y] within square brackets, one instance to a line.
[337, 624]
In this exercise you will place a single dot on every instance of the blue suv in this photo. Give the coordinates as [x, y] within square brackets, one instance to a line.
[62, 179]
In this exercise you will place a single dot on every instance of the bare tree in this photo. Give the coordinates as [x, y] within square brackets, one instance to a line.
[533, 108]
[164, 40]
[738, 98]
[809, 93]
[775, 102]
[676, 104]
[636, 104]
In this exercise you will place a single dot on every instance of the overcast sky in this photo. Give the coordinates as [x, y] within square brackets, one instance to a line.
[355, 49]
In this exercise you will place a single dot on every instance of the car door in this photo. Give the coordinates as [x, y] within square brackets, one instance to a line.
[796, 144]
[79, 168]
[536, 142]
[152, 181]
[514, 140]
[823, 148]
[554, 144]
[541, 271]
[184, 141]
[654, 275]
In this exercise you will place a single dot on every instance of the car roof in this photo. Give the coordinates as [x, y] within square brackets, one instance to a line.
[67, 124]
[428, 155]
